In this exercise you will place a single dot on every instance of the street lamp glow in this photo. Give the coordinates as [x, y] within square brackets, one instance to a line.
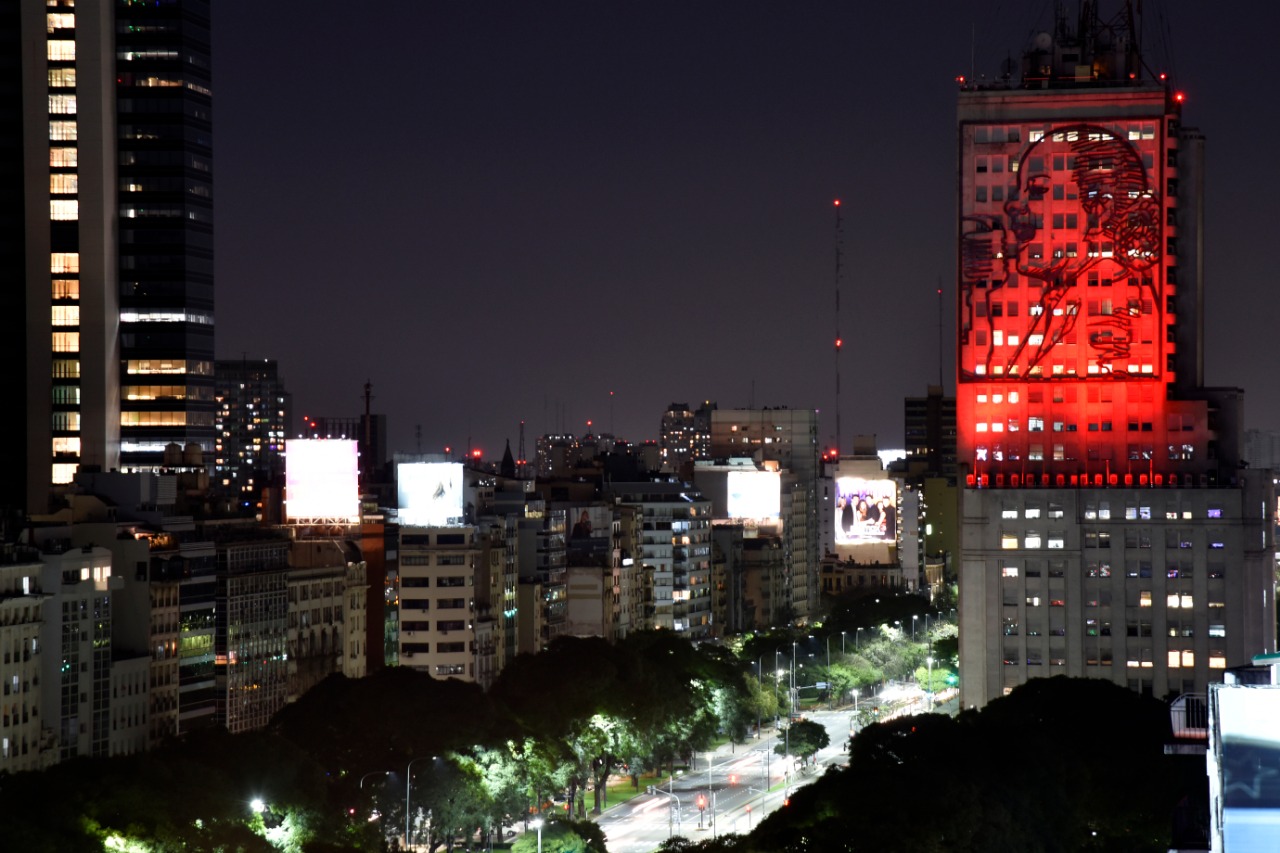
[257, 806]
[536, 823]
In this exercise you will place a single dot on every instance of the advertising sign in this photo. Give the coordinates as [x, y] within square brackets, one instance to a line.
[321, 480]
[866, 511]
[754, 494]
[430, 493]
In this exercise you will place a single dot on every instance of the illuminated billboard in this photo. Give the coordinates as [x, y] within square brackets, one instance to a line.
[754, 494]
[321, 480]
[1250, 766]
[590, 522]
[430, 493]
[866, 511]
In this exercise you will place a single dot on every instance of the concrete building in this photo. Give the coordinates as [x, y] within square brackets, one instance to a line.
[788, 437]
[684, 436]
[24, 745]
[437, 600]
[251, 422]
[251, 669]
[675, 551]
[1107, 528]
[327, 609]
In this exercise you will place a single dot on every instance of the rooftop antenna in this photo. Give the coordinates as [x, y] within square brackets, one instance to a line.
[368, 425]
[939, 331]
[522, 461]
[839, 340]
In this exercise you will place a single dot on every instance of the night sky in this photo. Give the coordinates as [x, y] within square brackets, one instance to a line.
[506, 211]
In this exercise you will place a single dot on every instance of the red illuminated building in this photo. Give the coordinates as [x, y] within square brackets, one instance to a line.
[1108, 528]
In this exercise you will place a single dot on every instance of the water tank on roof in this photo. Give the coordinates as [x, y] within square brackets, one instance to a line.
[172, 454]
[192, 454]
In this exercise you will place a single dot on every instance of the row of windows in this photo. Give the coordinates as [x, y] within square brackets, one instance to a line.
[1070, 453]
[1095, 569]
[165, 419]
[1103, 657]
[425, 648]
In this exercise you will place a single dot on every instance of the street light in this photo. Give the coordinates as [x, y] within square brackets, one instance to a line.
[372, 773]
[759, 682]
[842, 633]
[929, 660]
[914, 617]
[536, 823]
[408, 787]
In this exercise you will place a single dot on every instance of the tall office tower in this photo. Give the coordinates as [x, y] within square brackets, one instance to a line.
[107, 225]
[1107, 529]
[252, 421]
[790, 438]
[164, 180]
[60, 241]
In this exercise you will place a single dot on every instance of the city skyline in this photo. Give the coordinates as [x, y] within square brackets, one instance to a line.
[530, 209]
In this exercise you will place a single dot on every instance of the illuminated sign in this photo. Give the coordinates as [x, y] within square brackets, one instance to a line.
[754, 494]
[1250, 766]
[430, 493]
[321, 480]
[866, 511]
[590, 522]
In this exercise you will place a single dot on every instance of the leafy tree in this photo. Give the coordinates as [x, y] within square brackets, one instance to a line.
[804, 739]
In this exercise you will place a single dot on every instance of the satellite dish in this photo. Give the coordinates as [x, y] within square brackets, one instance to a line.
[1042, 41]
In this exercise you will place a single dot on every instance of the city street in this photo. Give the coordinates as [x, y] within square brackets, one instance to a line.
[760, 783]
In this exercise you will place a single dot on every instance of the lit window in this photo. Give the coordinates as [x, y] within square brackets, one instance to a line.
[62, 105]
[1009, 542]
[63, 158]
[64, 262]
[1217, 660]
[62, 473]
[64, 209]
[64, 130]
[61, 50]
[1031, 540]
[1144, 598]
[1175, 659]
[66, 341]
[66, 315]
[61, 183]
[62, 78]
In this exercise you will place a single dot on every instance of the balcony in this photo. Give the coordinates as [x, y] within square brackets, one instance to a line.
[1189, 715]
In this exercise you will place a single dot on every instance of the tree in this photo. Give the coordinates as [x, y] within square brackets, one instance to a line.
[804, 739]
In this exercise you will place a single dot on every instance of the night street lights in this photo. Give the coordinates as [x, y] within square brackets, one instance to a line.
[536, 823]
[372, 773]
[929, 660]
[408, 787]
[759, 682]
[842, 633]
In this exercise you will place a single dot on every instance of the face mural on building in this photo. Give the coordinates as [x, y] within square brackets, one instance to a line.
[1063, 281]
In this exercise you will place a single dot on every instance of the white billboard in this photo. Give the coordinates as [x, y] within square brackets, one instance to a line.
[430, 493]
[321, 480]
[754, 494]
[1249, 763]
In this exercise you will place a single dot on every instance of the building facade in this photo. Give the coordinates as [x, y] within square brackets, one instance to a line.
[1080, 389]
[252, 423]
[108, 226]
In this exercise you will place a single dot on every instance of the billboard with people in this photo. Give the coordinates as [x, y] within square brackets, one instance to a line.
[866, 511]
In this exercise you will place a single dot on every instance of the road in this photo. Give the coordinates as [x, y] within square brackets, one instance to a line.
[740, 784]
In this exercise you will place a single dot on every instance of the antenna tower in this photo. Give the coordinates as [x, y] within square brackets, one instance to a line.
[523, 460]
[839, 340]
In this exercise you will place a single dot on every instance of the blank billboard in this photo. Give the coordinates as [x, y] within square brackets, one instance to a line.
[754, 494]
[321, 480]
[1248, 719]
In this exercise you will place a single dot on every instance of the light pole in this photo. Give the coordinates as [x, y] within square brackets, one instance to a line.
[372, 773]
[929, 660]
[536, 823]
[842, 633]
[760, 683]
[914, 617]
[408, 787]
